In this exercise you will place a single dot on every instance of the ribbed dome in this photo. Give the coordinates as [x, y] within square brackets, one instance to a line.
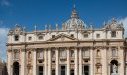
[74, 21]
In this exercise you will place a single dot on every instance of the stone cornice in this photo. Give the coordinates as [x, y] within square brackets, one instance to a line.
[48, 31]
[73, 41]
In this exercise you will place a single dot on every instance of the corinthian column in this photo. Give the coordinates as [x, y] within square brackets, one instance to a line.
[76, 62]
[80, 61]
[34, 62]
[45, 58]
[121, 69]
[49, 61]
[104, 61]
[68, 62]
[57, 61]
[91, 62]
[23, 62]
[9, 62]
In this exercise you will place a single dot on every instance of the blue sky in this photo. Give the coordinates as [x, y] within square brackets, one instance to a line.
[41, 12]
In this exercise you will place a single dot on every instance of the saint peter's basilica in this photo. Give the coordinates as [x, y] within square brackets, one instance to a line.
[74, 49]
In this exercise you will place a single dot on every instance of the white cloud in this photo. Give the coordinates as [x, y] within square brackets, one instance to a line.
[5, 3]
[3, 39]
[124, 21]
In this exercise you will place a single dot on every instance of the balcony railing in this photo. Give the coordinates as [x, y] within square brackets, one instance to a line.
[63, 57]
[40, 58]
[86, 57]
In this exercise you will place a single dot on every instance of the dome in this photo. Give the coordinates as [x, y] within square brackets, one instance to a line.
[74, 21]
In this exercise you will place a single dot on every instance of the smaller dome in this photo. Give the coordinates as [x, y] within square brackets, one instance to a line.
[74, 22]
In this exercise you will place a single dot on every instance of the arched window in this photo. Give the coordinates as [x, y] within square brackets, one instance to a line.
[114, 67]
[15, 68]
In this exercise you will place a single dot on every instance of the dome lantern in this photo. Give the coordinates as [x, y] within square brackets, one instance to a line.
[74, 22]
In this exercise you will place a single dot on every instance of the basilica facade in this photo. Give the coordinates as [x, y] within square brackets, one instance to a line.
[75, 49]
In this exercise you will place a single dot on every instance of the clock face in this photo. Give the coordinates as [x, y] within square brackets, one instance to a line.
[17, 30]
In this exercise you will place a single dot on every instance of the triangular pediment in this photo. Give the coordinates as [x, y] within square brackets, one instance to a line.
[62, 37]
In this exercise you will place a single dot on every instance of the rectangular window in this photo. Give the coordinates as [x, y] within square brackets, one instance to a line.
[29, 38]
[72, 72]
[98, 35]
[40, 37]
[85, 35]
[40, 70]
[16, 37]
[72, 35]
[86, 70]
[113, 34]
[53, 36]
[53, 72]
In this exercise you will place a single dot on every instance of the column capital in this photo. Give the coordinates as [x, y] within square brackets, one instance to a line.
[49, 48]
[122, 47]
[23, 50]
[34, 49]
[57, 48]
[9, 50]
[77, 48]
[45, 48]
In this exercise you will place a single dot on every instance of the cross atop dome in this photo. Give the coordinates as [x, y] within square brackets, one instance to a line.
[74, 13]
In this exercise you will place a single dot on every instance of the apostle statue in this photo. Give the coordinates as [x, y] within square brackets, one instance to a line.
[114, 69]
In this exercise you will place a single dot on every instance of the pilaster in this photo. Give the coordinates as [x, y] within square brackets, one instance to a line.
[121, 61]
[45, 59]
[9, 62]
[57, 61]
[23, 62]
[68, 62]
[76, 61]
[104, 61]
[91, 62]
[49, 61]
[80, 61]
[34, 62]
